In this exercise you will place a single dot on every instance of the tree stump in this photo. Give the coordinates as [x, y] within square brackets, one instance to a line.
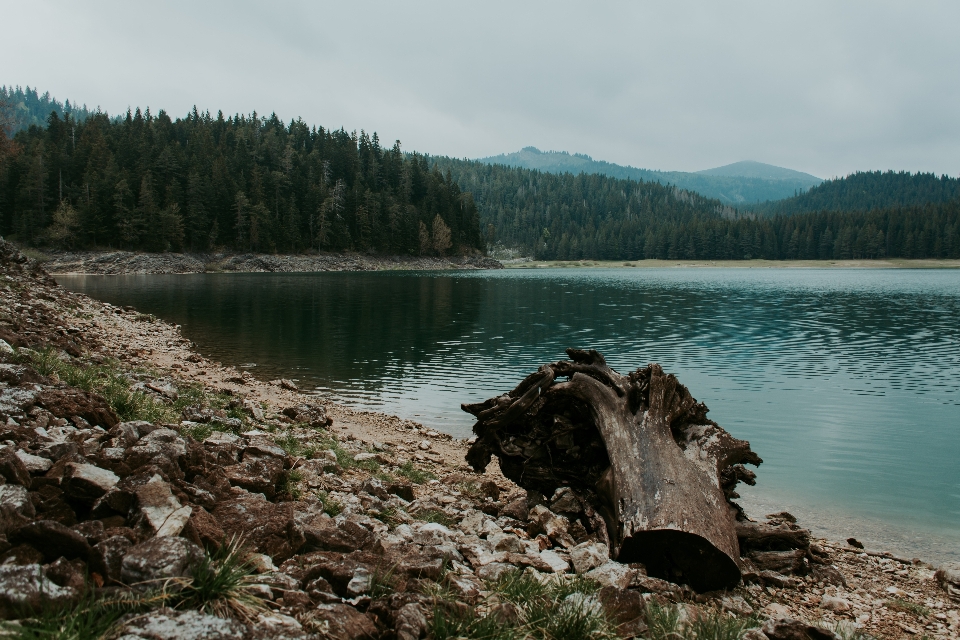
[637, 448]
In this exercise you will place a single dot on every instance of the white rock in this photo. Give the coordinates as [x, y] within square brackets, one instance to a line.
[557, 564]
[220, 437]
[277, 624]
[424, 445]
[834, 603]
[175, 522]
[156, 502]
[736, 605]
[261, 563]
[777, 611]
[506, 542]
[612, 574]
[588, 555]
[34, 464]
[360, 583]
[5, 348]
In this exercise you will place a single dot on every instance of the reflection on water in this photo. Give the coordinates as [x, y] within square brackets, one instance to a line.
[846, 382]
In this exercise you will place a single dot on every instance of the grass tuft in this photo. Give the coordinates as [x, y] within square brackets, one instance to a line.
[435, 515]
[220, 585]
[413, 474]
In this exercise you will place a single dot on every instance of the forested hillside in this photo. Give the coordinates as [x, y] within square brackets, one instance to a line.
[29, 108]
[567, 217]
[727, 184]
[241, 183]
[864, 191]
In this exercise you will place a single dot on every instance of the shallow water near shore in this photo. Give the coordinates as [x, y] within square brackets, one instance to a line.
[846, 382]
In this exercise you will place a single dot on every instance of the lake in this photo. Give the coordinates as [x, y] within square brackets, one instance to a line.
[846, 382]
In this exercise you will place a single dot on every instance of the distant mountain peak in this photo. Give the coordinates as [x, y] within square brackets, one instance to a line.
[754, 169]
[738, 184]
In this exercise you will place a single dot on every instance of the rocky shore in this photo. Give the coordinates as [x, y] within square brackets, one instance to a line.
[148, 492]
[126, 262]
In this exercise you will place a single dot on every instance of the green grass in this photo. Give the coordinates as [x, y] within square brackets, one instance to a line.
[220, 585]
[558, 609]
[413, 474]
[897, 604]
[435, 515]
[291, 484]
[389, 516]
[330, 506]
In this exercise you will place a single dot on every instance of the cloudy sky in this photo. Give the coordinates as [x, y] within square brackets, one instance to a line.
[823, 87]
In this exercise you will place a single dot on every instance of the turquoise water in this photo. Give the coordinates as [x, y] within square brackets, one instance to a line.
[846, 382]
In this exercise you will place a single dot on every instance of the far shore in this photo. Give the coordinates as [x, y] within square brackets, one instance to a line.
[893, 263]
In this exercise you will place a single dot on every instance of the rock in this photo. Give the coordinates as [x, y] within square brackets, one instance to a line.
[66, 403]
[208, 532]
[269, 527]
[565, 501]
[754, 634]
[834, 603]
[360, 582]
[776, 610]
[66, 573]
[53, 540]
[16, 508]
[259, 475]
[374, 487]
[494, 570]
[760, 536]
[108, 555]
[342, 622]
[948, 577]
[736, 605]
[411, 622]
[489, 489]
[588, 555]
[26, 588]
[774, 579]
[86, 482]
[626, 609]
[13, 469]
[790, 629]
[517, 509]
[6, 349]
[159, 558]
[828, 574]
[289, 385]
[324, 534]
[169, 624]
[611, 574]
[128, 433]
[465, 586]
[506, 542]
[557, 564]
[93, 531]
[277, 625]
[160, 508]
[32, 463]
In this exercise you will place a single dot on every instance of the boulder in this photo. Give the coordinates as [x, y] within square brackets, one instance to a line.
[32, 463]
[108, 556]
[612, 574]
[589, 555]
[66, 573]
[16, 508]
[159, 508]
[790, 629]
[85, 483]
[159, 558]
[169, 624]
[948, 577]
[70, 402]
[13, 470]
[626, 609]
[53, 540]
[342, 622]
[25, 588]
[269, 527]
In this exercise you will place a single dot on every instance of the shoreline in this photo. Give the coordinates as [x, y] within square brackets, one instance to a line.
[897, 263]
[875, 592]
[130, 262]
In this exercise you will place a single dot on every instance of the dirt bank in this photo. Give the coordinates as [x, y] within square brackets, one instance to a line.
[124, 262]
[129, 459]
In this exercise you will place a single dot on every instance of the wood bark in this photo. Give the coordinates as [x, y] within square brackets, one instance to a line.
[639, 449]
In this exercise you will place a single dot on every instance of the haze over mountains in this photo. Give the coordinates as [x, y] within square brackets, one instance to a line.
[736, 184]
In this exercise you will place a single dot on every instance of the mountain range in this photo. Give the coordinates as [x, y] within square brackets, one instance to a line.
[737, 184]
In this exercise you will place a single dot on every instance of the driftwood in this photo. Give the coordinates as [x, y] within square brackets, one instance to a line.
[639, 449]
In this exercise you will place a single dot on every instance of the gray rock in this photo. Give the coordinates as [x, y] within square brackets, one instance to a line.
[948, 577]
[790, 629]
[16, 508]
[494, 570]
[411, 622]
[86, 482]
[108, 556]
[160, 508]
[159, 558]
[33, 464]
[589, 555]
[128, 433]
[552, 558]
[25, 587]
[342, 622]
[168, 624]
[612, 574]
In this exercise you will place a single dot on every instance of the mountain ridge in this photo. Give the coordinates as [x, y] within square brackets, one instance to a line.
[730, 189]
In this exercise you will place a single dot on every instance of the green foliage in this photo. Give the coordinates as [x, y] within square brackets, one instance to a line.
[413, 474]
[330, 506]
[220, 585]
[32, 109]
[435, 515]
[88, 619]
[552, 610]
[245, 183]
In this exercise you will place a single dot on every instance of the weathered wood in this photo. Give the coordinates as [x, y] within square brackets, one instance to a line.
[639, 448]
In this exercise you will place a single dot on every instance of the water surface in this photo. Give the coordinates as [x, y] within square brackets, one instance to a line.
[846, 382]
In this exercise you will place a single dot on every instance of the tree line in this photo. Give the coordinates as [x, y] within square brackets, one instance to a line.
[589, 216]
[28, 107]
[240, 183]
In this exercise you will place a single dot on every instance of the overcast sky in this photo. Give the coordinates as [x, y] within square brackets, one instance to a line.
[823, 87]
